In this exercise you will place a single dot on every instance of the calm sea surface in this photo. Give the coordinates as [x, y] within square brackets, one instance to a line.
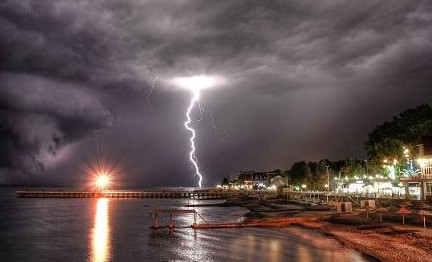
[118, 230]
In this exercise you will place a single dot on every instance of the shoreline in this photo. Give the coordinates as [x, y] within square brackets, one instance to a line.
[385, 242]
[388, 241]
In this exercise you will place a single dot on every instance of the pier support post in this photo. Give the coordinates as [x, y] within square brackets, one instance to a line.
[156, 223]
[171, 224]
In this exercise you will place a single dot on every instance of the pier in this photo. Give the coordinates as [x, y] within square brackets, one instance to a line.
[269, 222]
[201, 194]
[154, 214]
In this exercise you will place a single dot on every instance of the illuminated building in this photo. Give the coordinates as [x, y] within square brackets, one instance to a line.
[419, 183]
[251, 180]
[372, 185]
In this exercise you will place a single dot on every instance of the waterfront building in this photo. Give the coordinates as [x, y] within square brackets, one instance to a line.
[418, 182]
[254, 180]
[372, 186]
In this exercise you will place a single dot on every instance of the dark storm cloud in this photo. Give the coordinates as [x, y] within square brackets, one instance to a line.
[40, 116]
[297, 73]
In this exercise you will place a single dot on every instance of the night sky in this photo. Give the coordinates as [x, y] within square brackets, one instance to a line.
[302, 80]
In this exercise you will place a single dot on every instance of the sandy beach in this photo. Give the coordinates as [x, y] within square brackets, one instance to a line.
[389, 240]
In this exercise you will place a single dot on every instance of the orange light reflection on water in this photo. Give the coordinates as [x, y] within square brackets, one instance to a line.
[100, 249]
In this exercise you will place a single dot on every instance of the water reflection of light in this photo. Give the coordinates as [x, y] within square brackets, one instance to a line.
[100, 239]
[303, 253]
[275, 250]
[250, 248]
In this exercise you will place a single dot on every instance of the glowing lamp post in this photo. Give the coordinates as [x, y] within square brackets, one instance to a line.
[327, 186]
[304, 186]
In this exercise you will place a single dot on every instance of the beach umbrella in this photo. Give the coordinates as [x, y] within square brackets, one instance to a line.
[381, 210]
[367, 208]
[424, 213]
[403, 211]
[406, 204]
[423, 205]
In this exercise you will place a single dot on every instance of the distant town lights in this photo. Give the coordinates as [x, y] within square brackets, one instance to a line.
[423, 162]
[272, 188]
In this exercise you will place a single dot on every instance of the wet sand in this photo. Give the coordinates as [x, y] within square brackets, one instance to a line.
[387, 241]
[383, 241]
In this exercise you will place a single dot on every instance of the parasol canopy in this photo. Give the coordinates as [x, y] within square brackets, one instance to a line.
[381, 210]
[425, 213]
[423, 205]
[406, 204]
[403, 211]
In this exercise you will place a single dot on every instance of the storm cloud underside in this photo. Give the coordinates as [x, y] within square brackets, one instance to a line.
[305, 80]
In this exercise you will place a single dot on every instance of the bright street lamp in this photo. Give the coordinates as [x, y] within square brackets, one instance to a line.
[328, 183]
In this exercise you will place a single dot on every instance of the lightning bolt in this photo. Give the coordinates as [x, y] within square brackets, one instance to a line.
[221, 133]
[192, 156]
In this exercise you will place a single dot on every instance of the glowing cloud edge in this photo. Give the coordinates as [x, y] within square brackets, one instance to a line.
[198, 82]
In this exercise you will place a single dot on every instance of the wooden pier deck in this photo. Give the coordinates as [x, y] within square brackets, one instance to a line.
[125, 194]
[269, 222]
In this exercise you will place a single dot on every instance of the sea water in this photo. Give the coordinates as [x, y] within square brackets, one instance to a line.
[119, 230]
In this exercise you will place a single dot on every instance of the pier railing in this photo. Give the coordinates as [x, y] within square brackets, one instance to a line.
[126, 194]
